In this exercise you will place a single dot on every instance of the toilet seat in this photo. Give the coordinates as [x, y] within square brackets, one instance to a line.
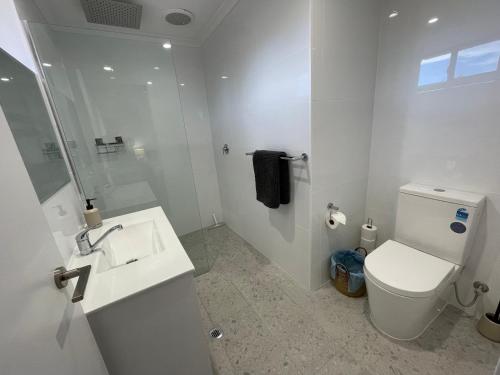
[406, 271]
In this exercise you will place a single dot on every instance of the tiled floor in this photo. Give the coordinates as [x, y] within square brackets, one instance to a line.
[272, 326]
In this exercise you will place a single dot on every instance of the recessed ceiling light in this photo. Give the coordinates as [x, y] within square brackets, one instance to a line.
[433, 20]
[156, 68]
[5, 79]
[182, 84]
[108, 68]
[393, 14]
[149, 82]
[48, 65]
[224, 77]
[167, 45]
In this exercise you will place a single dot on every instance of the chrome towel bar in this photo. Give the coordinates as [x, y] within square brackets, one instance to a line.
[302, 157]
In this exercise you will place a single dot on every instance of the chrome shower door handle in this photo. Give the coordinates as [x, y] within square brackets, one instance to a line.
[62, 275]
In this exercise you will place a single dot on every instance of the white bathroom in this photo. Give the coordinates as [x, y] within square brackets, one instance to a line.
[224, 187]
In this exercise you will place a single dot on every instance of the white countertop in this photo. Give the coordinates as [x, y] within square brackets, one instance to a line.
[118, 283]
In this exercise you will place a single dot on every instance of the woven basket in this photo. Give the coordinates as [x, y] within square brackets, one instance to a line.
[341, 280]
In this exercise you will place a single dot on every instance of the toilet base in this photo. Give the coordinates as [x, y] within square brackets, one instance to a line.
[405, 339]
[400, 317]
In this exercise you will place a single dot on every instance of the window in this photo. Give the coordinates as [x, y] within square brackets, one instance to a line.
[434, 70]
[478, 60]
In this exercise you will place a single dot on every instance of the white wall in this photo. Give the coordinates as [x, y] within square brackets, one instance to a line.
[12, 37]
[344, 60]
[193, 94]
[64, 214]
[445, 134]
[263, 48]
[62, 209]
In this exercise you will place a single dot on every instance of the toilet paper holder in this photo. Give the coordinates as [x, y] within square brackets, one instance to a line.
[334, 217]
[331, 207]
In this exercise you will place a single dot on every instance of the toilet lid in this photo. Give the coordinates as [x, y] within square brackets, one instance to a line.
[406, 271]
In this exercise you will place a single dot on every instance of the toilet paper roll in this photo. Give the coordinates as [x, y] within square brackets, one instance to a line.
[369, 245]
[335, 218]
[369, 234]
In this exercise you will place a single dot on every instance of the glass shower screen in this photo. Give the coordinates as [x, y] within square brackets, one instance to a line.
[118, 104]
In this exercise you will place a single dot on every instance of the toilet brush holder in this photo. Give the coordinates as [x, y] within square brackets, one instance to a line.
[489, 325]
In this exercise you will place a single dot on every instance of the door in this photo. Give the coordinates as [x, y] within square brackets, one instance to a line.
[41, 331]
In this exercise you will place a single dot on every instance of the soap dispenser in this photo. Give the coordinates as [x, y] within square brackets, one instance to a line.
[92, 215]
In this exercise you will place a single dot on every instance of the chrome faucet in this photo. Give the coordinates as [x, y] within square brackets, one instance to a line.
[83, 241]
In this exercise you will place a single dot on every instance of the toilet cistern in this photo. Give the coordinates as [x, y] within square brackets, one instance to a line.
[83, 241]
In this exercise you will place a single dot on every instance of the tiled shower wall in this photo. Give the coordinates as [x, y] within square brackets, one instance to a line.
[257, 69]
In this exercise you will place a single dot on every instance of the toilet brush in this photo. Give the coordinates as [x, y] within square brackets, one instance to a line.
[496, 317]
[489, 325]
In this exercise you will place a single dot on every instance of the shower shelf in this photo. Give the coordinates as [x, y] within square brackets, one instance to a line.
[109, 148]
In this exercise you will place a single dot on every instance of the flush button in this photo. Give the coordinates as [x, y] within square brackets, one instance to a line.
[458, 227]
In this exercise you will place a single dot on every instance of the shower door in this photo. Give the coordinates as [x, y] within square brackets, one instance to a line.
[117, 101]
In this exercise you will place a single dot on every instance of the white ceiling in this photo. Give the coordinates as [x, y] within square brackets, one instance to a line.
[207, 15]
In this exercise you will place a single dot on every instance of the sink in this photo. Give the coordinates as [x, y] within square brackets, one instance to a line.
[132, 244]
[145, 254]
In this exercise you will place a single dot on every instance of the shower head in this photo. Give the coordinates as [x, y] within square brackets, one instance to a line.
[179, 17]
[113, 13]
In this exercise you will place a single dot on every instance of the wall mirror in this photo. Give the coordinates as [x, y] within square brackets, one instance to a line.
[29, 121]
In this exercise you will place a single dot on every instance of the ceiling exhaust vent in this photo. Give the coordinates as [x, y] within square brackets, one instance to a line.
[113, 13]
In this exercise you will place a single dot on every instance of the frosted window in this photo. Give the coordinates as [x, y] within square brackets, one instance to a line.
[434, 70]
[478, 60]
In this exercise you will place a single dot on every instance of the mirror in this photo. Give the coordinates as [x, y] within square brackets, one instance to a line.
[29, 121]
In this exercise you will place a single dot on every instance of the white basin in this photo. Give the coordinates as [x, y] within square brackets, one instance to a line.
[132, 244]
[144, 254]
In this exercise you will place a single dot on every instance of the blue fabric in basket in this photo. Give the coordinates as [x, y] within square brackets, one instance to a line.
[354, 262]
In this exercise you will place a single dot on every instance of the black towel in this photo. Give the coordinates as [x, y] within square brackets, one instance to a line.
[272, 178]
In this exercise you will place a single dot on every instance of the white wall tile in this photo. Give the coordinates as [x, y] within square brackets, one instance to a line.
[263, 48]
[344, 60]
[344, 44]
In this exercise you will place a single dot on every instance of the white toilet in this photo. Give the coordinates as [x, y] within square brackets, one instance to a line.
[409, 279]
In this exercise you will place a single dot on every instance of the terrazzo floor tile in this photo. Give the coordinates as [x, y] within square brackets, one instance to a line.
[343, 364]
[220, 361]
[220, 297]
[273, 326]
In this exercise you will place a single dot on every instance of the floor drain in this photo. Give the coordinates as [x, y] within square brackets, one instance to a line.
[216, 333]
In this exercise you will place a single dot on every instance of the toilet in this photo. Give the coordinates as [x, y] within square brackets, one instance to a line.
[409, 278]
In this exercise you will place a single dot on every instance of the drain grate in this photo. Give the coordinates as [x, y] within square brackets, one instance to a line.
[216, 333]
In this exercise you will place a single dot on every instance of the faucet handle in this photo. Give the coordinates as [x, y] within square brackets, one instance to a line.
[83, 235]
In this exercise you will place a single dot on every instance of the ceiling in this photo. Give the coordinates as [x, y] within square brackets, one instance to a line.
[207, 15]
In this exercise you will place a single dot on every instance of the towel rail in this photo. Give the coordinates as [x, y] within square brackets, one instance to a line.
[303, 157]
